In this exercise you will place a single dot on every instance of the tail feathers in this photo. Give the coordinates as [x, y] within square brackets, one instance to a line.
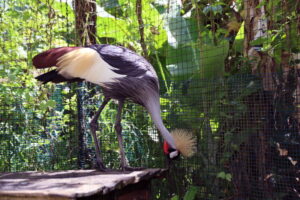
[49, 58]
[54, 77]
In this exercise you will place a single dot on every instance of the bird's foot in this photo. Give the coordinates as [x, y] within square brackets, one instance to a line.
[128, 168]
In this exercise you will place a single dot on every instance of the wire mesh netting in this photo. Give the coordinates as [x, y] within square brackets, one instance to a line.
[228, 72]
[34, 128]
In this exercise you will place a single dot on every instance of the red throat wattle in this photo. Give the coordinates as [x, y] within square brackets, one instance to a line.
[166, 148]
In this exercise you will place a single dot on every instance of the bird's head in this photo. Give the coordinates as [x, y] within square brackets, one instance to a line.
[171, 153]
[185, 144]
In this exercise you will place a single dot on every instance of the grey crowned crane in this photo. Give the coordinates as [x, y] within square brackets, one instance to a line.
[122, 75]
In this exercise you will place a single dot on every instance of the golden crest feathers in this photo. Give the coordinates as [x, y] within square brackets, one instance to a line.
[185, 142]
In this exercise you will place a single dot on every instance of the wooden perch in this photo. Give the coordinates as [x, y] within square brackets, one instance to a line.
[71, 184]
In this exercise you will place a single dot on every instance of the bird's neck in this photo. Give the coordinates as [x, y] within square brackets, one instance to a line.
[153, 107]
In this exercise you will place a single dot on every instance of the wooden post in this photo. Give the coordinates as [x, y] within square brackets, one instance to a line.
[86, 16]
[86, 19]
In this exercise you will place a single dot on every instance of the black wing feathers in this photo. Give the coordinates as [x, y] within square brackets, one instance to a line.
[54, 77]
[124, 60]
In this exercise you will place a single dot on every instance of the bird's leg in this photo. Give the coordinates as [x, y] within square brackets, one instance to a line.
[118, 127]
[94, 127]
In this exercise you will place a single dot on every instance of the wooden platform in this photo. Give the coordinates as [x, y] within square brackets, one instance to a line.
[74, 184]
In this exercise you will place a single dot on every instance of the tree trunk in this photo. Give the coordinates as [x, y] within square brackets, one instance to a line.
[256, 167]
[86, 19]
[86, 16]
[250, 165]
[138, 10]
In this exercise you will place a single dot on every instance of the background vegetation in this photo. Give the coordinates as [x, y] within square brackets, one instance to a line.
[228, 71]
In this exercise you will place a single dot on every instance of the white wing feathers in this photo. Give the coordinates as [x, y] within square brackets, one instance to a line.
[87, 64]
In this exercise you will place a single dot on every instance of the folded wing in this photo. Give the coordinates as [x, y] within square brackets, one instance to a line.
[77, 62]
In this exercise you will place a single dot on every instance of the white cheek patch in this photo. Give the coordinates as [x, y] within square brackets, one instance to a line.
[173, 154]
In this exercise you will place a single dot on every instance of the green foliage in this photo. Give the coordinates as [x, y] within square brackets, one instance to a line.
[189, 195]
[32, 125]
[215, 8]
[224, 176]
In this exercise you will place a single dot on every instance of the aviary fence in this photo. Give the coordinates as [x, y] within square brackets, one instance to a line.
[228, 71]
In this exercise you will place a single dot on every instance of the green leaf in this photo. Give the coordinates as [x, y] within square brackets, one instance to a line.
[225, 176]
[214, 125]
[176, 197]
[212, 59]
[51, 103]
[191, 193]
[228, 177]
[221, 175]
[182, 53]
[106, 27]
[259, 41]
[239, 39]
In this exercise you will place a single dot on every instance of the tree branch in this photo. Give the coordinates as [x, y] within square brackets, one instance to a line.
[141, 27]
